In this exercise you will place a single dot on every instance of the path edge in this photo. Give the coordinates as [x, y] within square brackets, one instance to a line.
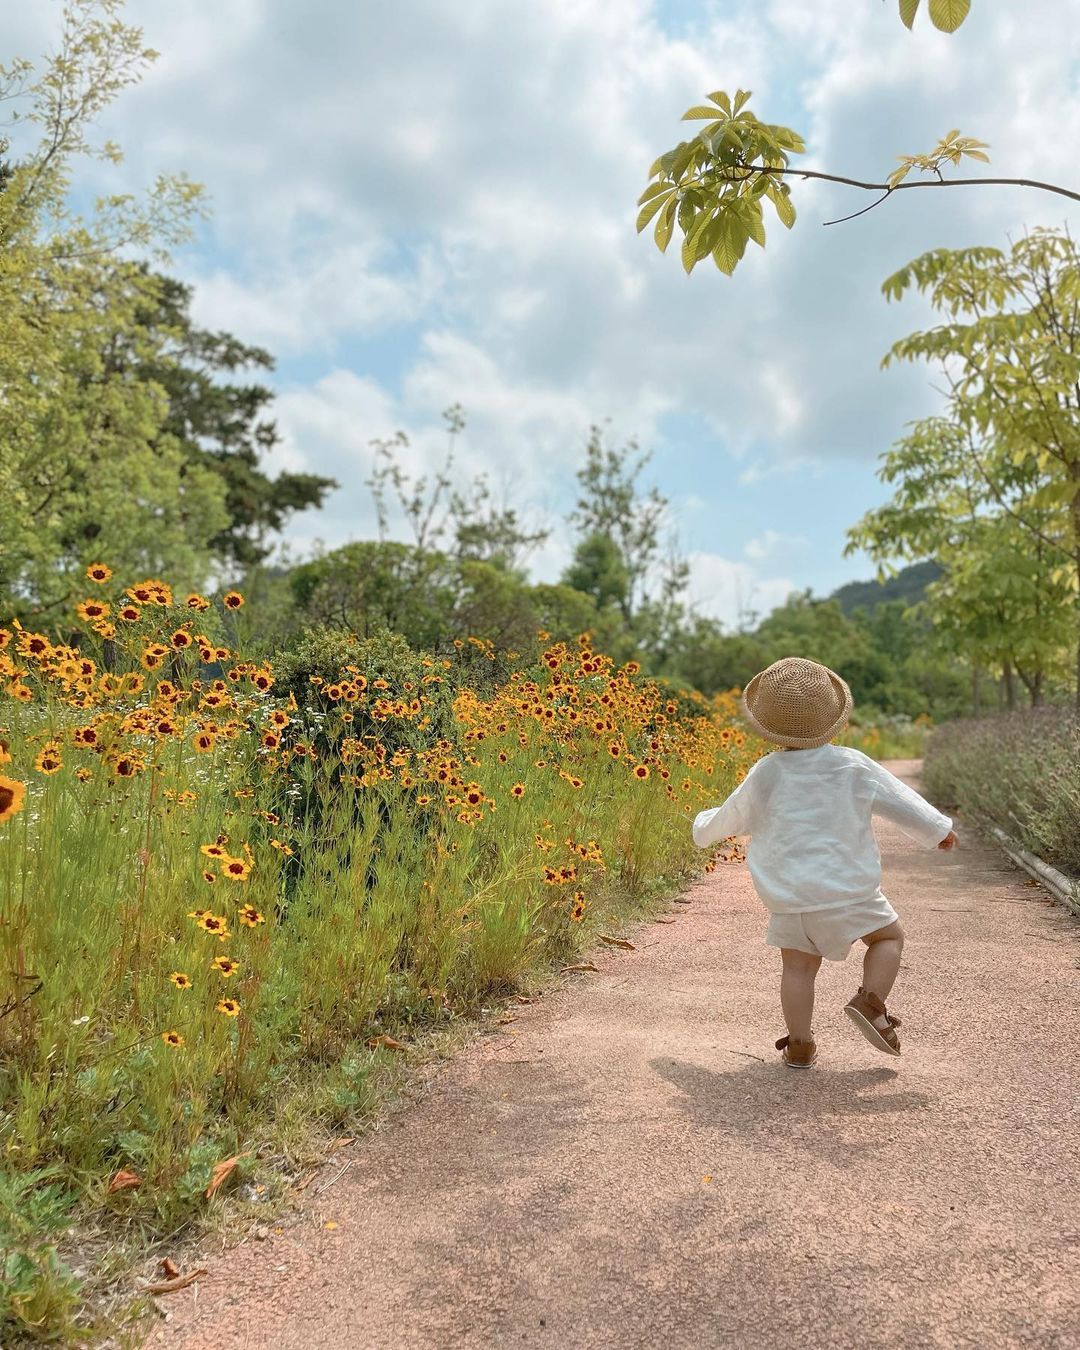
[1064, 889]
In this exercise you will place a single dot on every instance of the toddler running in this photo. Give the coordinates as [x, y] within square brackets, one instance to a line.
[812, 855]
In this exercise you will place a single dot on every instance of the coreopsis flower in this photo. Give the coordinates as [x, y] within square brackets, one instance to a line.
[12, 797]
[49, 760]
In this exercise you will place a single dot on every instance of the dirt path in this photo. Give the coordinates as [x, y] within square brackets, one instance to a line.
[619, 1169]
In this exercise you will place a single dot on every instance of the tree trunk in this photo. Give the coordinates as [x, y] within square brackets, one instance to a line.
[976, 691]
[1037, 690]
[1010, 685]
[1078, 644]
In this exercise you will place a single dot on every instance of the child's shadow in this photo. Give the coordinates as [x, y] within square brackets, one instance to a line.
[751, 1097]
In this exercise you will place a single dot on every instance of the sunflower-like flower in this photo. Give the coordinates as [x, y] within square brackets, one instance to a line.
[216, 924]
[12, 797]
[98, 572]
[49, 760]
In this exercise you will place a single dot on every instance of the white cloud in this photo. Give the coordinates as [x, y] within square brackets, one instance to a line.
[771, 542]
[457, 184]
[732, 591]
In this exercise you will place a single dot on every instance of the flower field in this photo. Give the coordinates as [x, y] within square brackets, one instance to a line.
[228, 895]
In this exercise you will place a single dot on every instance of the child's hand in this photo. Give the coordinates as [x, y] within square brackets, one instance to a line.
[949, 841]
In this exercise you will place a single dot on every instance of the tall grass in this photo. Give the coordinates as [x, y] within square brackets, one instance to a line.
[1018, 771]
[217, 901]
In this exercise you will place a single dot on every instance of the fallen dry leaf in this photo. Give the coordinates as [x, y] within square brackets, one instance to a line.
[170, 1269]
[617, 942]
[385, 1043]
[222, 1171]
[520, 998]
[306, 1182]
[682, 900]
[341, 1143]
[172, 1286]
[330, 1224]
[670, 919]
[123, 1181]
[502, 1021]
[581, 965]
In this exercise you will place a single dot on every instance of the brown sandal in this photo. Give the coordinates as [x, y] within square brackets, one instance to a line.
[862, 1009]
[797, 1054]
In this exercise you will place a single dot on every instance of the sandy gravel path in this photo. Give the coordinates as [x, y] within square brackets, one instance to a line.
[618, 1168]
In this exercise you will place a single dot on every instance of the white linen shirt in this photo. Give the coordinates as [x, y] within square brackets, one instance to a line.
[809, 813]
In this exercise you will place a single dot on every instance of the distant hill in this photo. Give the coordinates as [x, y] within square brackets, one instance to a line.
[907, 586]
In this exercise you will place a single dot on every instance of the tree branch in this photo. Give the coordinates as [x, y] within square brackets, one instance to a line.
[756, 171]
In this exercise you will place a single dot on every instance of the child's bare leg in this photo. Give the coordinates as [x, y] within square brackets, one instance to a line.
[797, 991]
[881, 964]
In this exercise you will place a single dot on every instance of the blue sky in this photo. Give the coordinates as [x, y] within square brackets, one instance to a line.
[429, 202]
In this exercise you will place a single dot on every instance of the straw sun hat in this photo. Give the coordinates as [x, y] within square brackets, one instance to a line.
[797, 703]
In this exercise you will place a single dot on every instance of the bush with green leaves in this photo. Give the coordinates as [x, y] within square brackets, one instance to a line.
[1018, 771]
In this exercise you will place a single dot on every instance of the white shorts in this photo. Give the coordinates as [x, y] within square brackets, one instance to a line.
[830, 932]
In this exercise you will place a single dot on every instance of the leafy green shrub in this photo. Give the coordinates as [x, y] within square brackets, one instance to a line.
[36, 1289]
[320, 656]
[1019, 771]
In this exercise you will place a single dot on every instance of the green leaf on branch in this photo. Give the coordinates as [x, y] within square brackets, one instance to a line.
[755, 222]
[948, 15]
[898, 175]
[731, 240]
[781, 199]
[650, 208]
[653, 190]
[664, 226]
[692, 249]
[908, 10]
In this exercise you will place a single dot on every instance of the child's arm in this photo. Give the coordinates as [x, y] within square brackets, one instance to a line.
[733, 816]
[904, 807]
